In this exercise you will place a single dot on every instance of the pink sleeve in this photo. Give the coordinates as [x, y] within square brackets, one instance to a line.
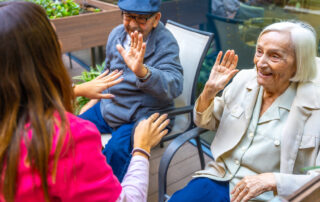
[83, 173]
[135, 182]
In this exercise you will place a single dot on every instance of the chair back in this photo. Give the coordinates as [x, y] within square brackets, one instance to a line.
[227, 36]
[193, 45]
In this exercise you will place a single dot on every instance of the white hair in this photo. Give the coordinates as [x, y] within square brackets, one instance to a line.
[303, 39]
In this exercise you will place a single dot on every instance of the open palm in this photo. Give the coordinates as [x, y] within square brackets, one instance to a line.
[134, 57]
[223, 71]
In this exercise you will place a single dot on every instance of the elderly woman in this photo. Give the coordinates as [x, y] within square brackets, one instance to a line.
[267, 120]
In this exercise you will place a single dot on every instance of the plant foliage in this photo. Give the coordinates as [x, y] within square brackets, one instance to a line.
[64, 8]
[85, 77]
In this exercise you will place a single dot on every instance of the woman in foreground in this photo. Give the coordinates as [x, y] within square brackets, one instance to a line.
[47, 153]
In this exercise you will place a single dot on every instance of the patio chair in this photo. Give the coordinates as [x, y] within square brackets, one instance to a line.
[309, 192]
[228, 36]
[193, 45]
[167, 156]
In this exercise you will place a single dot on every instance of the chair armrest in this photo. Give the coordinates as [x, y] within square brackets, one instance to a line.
[180, 110]
[168, 155]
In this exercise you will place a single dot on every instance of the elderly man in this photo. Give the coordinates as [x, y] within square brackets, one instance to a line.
[148, 55]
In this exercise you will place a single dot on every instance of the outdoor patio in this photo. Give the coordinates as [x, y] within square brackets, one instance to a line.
[183, 165]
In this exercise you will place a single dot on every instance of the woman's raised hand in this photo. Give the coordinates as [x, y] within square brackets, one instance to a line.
[93, 89]
[149, 132]
[221, 73]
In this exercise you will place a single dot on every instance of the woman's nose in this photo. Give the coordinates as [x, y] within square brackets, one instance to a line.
[262, 61]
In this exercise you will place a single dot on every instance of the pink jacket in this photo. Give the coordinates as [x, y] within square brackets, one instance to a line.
[82, 172]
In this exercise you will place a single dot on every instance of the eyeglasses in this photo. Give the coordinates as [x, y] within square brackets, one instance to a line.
[141, 19]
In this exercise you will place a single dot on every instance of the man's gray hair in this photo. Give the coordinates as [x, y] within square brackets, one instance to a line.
[303, 39]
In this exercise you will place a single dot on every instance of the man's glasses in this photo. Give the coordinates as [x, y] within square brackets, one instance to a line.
[141, 19]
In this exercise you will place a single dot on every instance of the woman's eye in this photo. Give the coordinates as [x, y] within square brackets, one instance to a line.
[258, 52]
[275, 57]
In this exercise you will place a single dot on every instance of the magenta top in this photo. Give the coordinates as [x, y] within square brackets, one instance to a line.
[82, 172]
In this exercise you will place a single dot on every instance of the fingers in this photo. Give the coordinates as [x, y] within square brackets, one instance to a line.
[161, 119]
[230, 59]
[164, 124]
[140, 41]
[225, 58]
[234, 62]
[112, 83]
[218, 58]
[153, 117]
[236, 190]
[142, 51]
[113, 76]
[134, 39]
[121, 50]
[243, 194]
[106, 96]
[232, 73]
[164, 132]
[103, 74]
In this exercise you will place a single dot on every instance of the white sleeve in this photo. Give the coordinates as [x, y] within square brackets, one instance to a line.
[136, 181]
[289, 183]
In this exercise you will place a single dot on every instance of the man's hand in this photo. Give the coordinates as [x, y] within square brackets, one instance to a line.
[93, 89]
[134, 57]
[252, 186]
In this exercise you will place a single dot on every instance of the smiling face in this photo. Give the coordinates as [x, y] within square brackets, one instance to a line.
[131, 25]
[275, 61]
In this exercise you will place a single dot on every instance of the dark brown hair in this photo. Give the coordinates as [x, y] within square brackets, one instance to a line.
[34, 86]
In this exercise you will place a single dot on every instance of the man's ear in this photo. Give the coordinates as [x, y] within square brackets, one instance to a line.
[157, 19]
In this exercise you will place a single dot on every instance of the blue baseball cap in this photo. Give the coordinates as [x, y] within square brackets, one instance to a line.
[139, 6]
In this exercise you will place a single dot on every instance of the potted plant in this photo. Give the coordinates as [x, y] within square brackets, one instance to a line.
[89, 29]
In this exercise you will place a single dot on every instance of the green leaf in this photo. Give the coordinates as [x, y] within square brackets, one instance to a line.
[306, 169]
[85, 77]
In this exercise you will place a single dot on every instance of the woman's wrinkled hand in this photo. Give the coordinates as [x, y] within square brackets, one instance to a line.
[252, 186]
[93, 89]
[221, 73]
[149, 132]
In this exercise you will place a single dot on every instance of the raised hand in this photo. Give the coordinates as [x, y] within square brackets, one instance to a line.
[220, 75]
[252, 186]
[149, 132]
[93, 89]
[134, 57]
[222, 72]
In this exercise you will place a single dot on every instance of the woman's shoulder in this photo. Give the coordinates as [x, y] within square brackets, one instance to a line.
[80, 127]
[308, 94]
